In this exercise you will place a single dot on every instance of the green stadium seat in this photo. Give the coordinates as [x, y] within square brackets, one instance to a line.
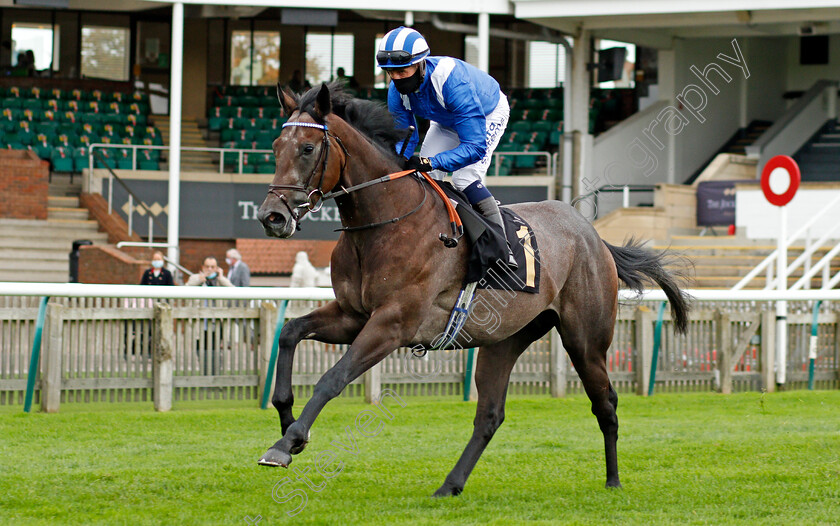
[42, 147]
[537, 140]
[505, 166]
[555, 137]
[531, 115]
[12, 103]
[62, 160]
[228, 134]
[526, 161]
[33, 104]
[551, 115]
[543, 126]
[246, 144]
[516, 115]
[144, 164]
[245, 135]
[56, 93]
[520, 126]
[249, 100]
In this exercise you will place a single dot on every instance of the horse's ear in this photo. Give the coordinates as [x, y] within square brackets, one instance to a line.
[287, 101]
[323, 105]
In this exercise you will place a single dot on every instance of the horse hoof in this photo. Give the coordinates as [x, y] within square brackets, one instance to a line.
[613, 484]
[447, 491]
[275, 457]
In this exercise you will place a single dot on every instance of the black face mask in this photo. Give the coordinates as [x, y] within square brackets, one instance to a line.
[410, 84]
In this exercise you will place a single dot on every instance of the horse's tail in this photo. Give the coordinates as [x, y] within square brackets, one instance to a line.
[637, 265]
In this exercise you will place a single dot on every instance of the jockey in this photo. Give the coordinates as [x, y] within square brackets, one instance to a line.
[466, 108]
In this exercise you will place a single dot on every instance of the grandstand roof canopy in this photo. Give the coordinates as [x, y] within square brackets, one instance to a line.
[656, 23]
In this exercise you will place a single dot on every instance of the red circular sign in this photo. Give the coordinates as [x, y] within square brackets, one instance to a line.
[780, 180]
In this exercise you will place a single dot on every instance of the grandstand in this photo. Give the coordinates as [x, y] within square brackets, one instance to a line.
[701, 98]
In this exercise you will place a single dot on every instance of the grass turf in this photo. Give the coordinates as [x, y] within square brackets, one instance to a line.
[683, 458]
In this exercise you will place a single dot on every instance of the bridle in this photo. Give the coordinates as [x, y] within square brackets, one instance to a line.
[314, 204]
[314, 196]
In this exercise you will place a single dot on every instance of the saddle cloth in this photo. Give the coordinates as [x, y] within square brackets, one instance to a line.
[488, 257]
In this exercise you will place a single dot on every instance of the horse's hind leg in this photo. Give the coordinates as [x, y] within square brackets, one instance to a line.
[587, 340]
[492, 375]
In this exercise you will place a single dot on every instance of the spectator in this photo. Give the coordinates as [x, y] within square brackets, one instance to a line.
[209, 276]
[157, 275]
[208, 348]
[348, 82]
[297, 84]
[238, 271]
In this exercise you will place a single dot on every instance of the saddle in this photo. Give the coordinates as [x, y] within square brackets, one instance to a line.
[487, 264]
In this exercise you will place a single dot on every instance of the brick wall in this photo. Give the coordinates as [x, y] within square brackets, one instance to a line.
[112, 223]
[24, 183]
[106, 264]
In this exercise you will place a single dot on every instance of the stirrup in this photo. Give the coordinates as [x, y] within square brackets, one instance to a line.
[511, 263]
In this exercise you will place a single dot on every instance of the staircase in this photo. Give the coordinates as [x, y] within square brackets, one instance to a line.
[721, 261]
[745, 137]
[819, 159]
[191, 136]
[39, 250]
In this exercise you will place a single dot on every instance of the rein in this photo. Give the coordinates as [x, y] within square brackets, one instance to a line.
[313, 205]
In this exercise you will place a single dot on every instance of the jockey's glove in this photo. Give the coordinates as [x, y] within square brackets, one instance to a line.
[421, 164]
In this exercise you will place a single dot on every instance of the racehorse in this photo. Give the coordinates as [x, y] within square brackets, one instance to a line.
[395, 282]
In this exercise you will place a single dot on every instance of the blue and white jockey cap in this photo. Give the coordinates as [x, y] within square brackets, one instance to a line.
[401, 47]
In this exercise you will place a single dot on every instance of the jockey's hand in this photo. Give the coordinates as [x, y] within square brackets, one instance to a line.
[422, 164]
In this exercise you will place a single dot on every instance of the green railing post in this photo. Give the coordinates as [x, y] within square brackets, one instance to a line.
[468, 371]
[36, 355]
[272, 362]
[812, 348]
[657, 338]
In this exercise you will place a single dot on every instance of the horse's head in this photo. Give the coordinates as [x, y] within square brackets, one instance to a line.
[309, 163]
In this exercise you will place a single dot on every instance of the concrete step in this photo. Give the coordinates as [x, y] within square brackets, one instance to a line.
[55, 212]
[47, 227]
[37, 276]
[55, 265]
[54, 253]
[63, 201]
[59, 243]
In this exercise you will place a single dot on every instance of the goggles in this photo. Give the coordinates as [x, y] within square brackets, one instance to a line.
[397, 57]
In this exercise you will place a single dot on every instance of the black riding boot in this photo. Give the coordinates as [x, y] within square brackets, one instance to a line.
[489, 208]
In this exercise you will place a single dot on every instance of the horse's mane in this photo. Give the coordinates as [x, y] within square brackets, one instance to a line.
[371, 118]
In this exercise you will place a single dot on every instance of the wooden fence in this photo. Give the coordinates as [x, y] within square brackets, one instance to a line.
[114, 350]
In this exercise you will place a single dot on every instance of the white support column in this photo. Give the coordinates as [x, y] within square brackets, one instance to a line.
[578, 113]
[484, 42]
[176, 83]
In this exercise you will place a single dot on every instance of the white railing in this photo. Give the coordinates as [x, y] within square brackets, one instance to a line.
[798, 124]
[805, 257]
[80, 290]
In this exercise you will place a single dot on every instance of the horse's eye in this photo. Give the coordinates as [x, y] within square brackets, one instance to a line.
[308, 149]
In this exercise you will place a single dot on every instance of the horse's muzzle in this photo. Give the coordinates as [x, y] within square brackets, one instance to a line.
[275, 222]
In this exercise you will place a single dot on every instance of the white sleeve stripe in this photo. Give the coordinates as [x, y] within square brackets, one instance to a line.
[440, 76]
[406, 102]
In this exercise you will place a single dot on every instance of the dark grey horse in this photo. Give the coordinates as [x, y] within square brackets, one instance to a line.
[396, 284]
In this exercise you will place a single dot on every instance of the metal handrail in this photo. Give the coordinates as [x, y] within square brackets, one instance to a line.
[548, 164]
[788, 242]
[611, 188]
[157, 245]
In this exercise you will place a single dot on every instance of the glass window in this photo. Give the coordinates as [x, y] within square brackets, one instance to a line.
[38, 39]
[105, 52]
[546, 65]
[325, 53]
[266, 57]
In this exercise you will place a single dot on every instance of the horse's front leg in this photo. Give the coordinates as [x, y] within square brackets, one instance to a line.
[328, 324]
[381, 335]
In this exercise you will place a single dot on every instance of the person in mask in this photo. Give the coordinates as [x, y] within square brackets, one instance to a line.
[157, 275]
[239, 272]
[467, 110]
[209, 276]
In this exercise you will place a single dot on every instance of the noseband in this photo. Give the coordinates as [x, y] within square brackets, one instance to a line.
[314, 196]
